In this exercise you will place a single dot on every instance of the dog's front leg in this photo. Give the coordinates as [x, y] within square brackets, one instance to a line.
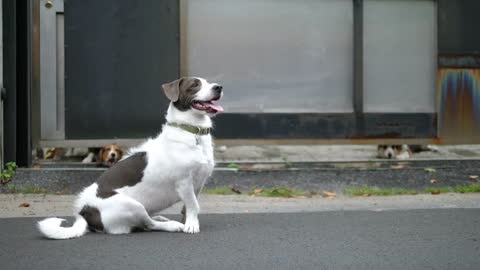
[186, 192]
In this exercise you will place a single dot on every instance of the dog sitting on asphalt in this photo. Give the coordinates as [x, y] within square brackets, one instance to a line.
[164, 170]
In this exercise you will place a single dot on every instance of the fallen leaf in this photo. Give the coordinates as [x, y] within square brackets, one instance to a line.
[430, 170]
[36, 166]
[257, 190]
[473, 176]
[433, 181]
[398, 166]
[327, 194]
[24, 204]
[236, 190]
[435, 192]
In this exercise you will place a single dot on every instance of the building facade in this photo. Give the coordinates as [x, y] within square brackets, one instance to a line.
[308, 71]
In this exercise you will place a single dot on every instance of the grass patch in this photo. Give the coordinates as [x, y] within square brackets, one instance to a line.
[221, 190]
[233, 166]
[473, 188]
[437, 190]
[283, 192]
[26, 189]
[277, 192]
[378, 191]
[7, 174]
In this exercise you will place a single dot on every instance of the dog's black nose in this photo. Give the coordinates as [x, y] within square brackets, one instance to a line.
[217, 89]
[389, 155]
[113, 154]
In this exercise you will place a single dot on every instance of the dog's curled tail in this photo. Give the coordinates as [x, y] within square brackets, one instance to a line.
[51, 228]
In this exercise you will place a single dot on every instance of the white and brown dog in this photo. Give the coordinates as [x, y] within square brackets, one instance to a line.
[164, 170]
[402, 151]
[106, 156]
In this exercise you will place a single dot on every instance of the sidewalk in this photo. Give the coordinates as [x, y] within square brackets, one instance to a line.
[309, 168]
[61, 205]
[331, 153]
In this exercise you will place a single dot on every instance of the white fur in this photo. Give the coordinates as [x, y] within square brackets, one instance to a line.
[177, 168]
[51, 228]
[89, 158]
[390, 152]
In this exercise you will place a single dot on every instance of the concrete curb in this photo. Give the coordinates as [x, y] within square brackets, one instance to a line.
[61, 205]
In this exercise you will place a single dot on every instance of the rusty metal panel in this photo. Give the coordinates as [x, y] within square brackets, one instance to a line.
[459, 104]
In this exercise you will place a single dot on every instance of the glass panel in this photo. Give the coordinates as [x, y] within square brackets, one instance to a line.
[272, 55]
[400, 52]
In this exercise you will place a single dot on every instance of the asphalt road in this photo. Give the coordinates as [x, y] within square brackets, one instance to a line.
[410, 239]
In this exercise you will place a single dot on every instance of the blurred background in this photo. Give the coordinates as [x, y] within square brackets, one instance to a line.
[306, 72]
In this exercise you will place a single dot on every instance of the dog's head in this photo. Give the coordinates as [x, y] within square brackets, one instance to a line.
[195, 94]
[109, 155]
[391, 151]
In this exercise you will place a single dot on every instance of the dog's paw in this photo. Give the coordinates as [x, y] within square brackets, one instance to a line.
[174, 226]
[160, 218]
[192, 227]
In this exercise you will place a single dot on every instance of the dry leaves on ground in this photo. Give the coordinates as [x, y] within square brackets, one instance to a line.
[24, 204]
[328, 194]
[435, 192]
[398, 166]
[257, 190]
[236, 190]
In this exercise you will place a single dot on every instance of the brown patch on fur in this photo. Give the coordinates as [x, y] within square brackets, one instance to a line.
[93, 217]
[182, 92]
[128, 172]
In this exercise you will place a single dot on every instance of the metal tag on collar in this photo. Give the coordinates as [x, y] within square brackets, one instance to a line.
[197, 139]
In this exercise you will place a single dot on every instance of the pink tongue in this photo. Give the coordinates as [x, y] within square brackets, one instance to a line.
[215, 107]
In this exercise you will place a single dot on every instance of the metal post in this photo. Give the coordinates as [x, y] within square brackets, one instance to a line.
[1, 86]
[358, 56]
[9, 17]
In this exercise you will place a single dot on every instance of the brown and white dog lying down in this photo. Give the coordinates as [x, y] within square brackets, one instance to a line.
[402, 151]
[106, 156]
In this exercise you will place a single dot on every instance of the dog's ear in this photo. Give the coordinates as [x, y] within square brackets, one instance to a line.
[100, 156]
[120, 152]
[172, 90]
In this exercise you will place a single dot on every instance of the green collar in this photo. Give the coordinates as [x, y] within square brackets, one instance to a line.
[192, 129]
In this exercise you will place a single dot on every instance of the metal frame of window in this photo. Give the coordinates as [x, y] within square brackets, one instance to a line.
[341, 127]
[356, 125]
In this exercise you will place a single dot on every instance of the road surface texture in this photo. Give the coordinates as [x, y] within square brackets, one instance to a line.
[399, 239]
[41, 205]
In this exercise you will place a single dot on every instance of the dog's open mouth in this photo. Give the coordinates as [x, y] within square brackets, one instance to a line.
[207, 106]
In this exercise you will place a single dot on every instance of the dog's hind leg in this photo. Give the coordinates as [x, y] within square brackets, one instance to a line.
[160, 218]
[121, 214]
